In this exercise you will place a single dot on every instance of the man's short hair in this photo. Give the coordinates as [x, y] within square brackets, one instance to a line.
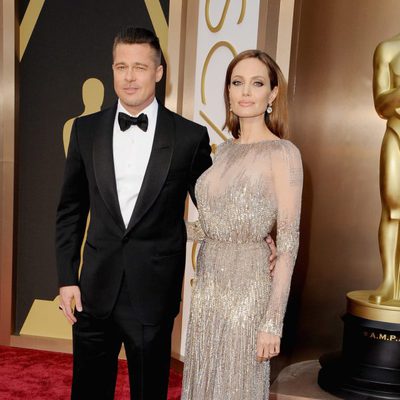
[134, 35]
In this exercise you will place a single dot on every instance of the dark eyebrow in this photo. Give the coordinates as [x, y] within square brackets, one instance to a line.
[253, 77]
[139, 64]
[136, 64]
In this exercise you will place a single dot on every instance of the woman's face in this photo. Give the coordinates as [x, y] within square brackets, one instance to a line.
[250, 90]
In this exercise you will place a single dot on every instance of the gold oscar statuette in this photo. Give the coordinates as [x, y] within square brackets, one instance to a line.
[383, 304]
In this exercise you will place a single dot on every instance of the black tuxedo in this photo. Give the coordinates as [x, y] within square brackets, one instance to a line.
[149, 255]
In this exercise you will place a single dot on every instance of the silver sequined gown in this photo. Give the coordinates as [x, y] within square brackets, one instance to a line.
[249, 189]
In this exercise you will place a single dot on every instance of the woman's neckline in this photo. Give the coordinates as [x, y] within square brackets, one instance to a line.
[237, 143]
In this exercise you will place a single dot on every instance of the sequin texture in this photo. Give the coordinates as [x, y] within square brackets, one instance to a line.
[249, 189]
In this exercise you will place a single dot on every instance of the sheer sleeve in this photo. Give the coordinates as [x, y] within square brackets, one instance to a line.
[288, 183]
[194, 231]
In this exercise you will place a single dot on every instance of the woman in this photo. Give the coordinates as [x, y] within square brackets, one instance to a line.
[255, 182]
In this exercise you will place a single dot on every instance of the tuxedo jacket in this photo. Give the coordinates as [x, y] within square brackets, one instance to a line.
[150, 252]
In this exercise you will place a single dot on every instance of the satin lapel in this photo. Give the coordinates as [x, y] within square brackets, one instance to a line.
[158, 166]
[103, 164]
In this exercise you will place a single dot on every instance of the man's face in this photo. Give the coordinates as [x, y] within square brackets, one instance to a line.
[135, 75]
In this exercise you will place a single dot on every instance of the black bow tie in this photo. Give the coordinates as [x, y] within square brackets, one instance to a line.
[125, 121]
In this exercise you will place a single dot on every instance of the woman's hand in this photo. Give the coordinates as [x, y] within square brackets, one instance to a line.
[268, 346]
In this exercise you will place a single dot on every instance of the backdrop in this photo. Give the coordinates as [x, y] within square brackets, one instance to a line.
[70, 43]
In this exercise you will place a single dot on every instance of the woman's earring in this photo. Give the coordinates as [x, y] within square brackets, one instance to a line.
[269, 109]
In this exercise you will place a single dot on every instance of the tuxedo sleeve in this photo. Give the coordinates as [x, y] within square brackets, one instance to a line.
[201, 161]
[72, 213]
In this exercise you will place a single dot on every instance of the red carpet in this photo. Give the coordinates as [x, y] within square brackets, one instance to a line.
[43, 375]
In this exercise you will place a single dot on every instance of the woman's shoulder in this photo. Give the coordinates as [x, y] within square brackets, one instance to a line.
[287, 153]
[286, 146]
[222, 146]
[281, 146]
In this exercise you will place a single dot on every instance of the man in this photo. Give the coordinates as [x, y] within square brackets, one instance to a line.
[132, 165]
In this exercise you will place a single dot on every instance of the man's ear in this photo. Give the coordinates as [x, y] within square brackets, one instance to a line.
[159, 73]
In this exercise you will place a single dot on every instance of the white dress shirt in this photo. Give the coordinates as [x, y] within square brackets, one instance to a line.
[131, 151]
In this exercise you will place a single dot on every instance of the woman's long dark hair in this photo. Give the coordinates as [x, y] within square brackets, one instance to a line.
[277, 122]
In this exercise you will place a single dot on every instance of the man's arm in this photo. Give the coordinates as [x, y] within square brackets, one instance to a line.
[71, 219]
[201, 161]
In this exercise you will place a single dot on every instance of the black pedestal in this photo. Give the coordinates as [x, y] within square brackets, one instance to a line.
[368, 366]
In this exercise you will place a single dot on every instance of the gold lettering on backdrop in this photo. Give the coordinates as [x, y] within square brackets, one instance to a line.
[28, 24]
[213, 49]
[203, 81]
[215, 127]
[160, 25]
[221, 22]
[382, 336]
[242, 12]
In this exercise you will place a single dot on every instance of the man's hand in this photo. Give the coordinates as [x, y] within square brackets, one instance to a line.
[268, 346]
[70, 295]
[273, 256]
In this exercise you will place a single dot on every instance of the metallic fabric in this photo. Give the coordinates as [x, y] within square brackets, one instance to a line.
[249, 189]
